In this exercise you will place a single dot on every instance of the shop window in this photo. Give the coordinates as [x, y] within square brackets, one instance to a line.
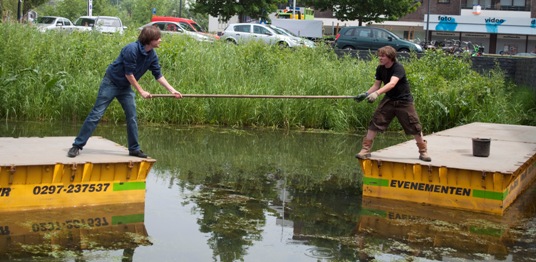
[485, 4]
[512, 4]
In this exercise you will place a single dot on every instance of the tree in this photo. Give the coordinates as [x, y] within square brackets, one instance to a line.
[225, 9]
[9, 8]
[366, 10]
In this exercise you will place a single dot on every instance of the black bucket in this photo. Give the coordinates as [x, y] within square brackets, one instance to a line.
[481, 147]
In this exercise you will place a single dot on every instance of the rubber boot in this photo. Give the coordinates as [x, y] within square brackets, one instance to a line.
[365, 150]
[423, 152]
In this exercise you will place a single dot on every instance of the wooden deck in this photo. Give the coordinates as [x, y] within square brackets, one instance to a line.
[510, 146]
[29, 151]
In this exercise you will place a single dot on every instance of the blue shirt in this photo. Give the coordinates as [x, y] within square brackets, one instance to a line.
[133, 60]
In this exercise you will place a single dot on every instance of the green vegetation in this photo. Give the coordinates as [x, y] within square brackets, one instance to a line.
[55, 76]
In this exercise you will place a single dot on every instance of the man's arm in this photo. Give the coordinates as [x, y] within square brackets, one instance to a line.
[376, 90]
[132, 80]
[162, 80]
[374, 86]
[392, 83]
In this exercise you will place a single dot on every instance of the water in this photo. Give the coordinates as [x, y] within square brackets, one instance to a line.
[249, 195]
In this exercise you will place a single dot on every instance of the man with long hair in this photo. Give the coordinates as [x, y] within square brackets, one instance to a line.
[397, 102]
[131, 64]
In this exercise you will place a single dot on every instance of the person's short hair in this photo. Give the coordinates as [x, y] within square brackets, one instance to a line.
[148, 34]
[388, 51]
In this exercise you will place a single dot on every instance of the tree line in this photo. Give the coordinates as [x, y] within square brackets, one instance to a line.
[138, 12]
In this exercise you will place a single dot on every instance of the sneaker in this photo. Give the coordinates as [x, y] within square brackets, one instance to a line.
[137, 153]
[74, 151]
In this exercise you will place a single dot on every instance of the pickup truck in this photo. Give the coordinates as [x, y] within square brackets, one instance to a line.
[102, 24]
[311, 29]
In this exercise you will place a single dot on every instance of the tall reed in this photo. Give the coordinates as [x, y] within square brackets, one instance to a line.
[54, 76]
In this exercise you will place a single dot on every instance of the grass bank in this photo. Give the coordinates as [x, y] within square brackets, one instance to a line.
[55, 76]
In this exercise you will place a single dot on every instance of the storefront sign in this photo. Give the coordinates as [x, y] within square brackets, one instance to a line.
[473, 35]
[450, 34]
[482, 24]
[517, 37]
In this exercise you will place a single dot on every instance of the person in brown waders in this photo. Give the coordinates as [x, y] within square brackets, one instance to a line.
[397, 102]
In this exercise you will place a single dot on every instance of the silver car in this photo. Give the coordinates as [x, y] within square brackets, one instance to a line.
[244, 32]
[103, 24]
[45, 23]
[304, 41]
[176, 28]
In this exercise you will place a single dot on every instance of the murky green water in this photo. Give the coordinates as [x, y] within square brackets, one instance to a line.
[248, 195]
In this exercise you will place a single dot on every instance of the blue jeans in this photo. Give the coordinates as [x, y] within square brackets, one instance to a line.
[107, 92]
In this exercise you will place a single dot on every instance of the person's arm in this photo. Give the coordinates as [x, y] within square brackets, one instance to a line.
[376, 90]
[162, 80]
[392, 83]
[374, 87]
[132, 80]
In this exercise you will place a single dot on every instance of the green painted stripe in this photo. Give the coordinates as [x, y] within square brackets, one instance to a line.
[488, 194]
[495, 232]
[373, 212]
[476, 193]
[129, 186]
[136, 218]
[375, 181]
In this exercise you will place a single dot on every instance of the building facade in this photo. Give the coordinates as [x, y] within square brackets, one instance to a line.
[501, 26]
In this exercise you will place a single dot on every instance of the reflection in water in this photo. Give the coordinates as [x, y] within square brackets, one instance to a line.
[240, 188]
[61, 233]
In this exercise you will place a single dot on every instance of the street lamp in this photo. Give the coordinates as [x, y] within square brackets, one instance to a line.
[427, 24]
[19, 11]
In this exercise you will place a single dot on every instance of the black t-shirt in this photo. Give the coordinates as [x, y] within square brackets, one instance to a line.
[401, 90]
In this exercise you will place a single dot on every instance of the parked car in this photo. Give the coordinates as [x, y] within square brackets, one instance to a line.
[245, 32]
[371, 38]
[45, 23]
[177, 28]
[304, 41]
[526, 54]
[103, 24]
[187, 24]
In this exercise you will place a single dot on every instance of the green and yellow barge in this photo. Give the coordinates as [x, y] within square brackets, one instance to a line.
[455, 177]
[35, 173]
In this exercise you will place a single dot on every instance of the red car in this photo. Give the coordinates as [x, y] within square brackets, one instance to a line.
[187, 24]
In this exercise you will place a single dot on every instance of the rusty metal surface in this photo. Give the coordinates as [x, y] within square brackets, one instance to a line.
[30, 151]
[510, 147]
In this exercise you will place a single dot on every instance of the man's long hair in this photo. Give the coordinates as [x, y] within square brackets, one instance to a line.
[388, 51]
[148, 34]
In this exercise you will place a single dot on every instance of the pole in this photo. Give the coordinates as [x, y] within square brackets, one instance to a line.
[19, 11]
[294, 9]
[253, 96]
[180, 8]
[427, 24]
[89, 7]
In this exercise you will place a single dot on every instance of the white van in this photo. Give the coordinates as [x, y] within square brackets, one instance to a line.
[103, 24]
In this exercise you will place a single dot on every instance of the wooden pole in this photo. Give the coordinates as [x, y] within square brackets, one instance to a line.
[252, 96]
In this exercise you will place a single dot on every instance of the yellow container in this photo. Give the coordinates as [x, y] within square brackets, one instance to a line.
[35, 173]
[455, 178]
[113, 227]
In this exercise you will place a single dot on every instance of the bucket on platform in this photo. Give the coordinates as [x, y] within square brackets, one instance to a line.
[481, 146]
